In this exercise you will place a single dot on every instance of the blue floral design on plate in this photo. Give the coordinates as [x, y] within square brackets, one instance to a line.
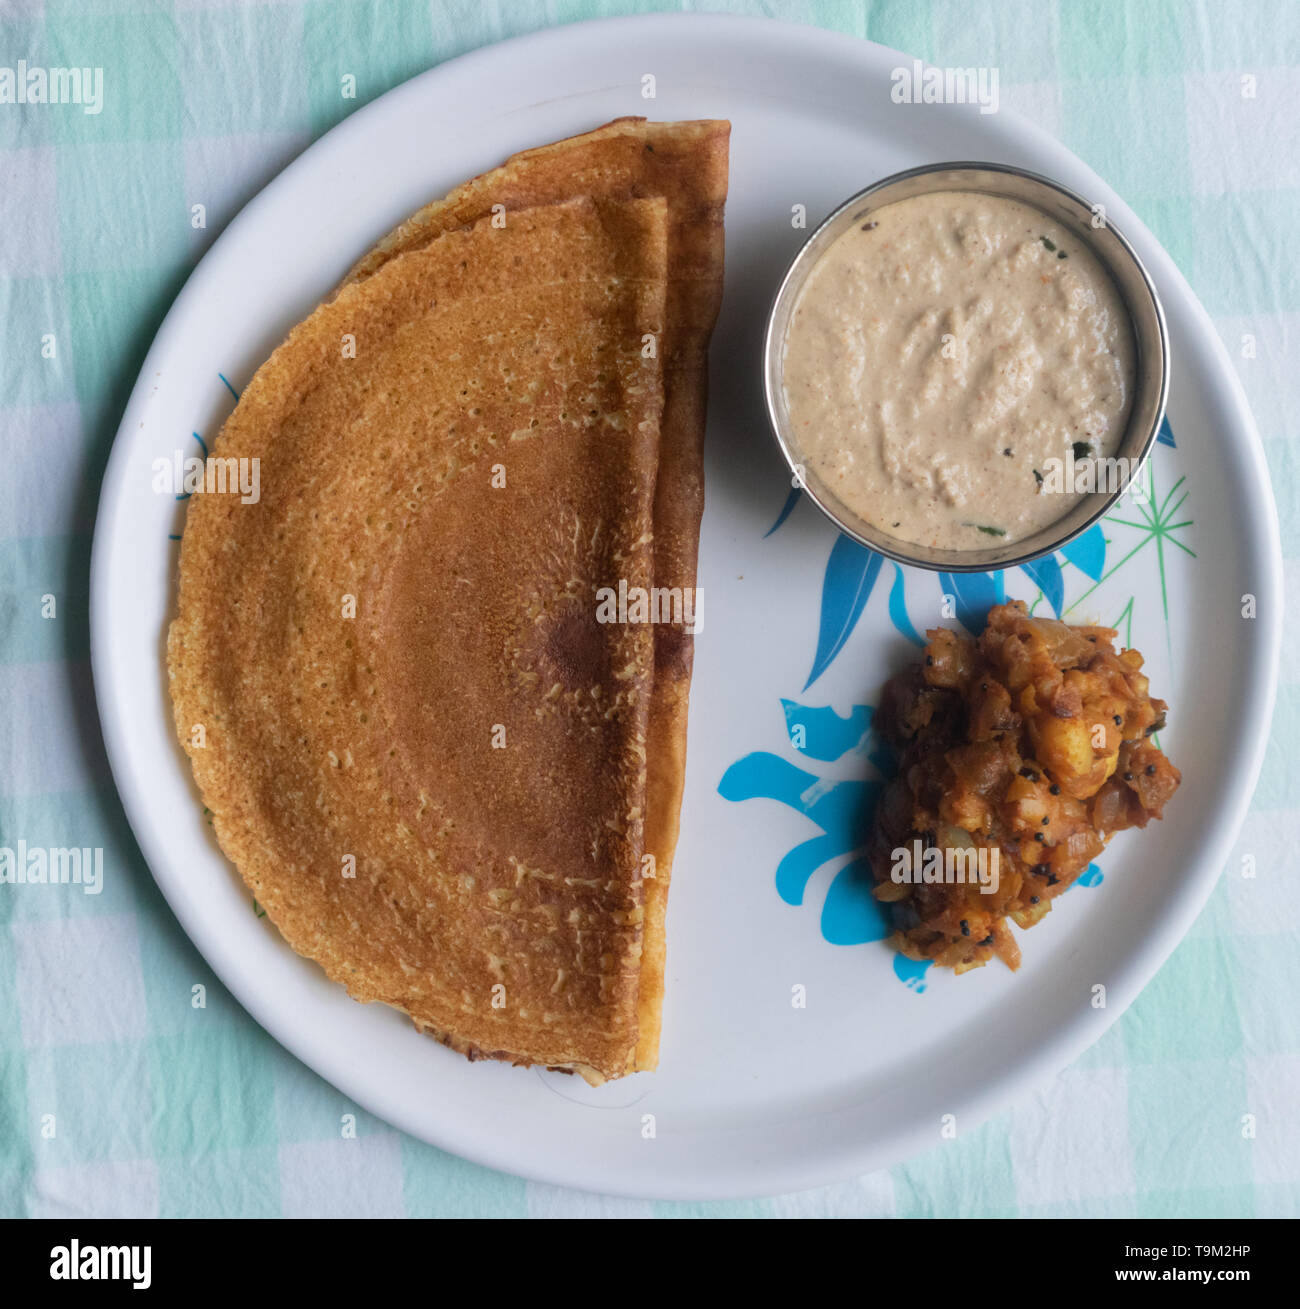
[843, 810]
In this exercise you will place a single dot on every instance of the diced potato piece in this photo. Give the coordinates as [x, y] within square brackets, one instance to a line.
[1064, 748]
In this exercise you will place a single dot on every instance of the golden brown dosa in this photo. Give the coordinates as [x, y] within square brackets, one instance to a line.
[422, 751]
[686, 163]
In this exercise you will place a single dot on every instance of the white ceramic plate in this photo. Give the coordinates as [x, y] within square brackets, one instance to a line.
[754, 1094]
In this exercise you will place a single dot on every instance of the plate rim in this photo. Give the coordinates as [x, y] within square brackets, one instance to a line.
[772, 1176]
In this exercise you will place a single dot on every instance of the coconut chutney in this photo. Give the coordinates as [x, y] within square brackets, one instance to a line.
[942, 353]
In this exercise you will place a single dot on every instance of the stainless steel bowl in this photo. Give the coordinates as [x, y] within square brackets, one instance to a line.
[1076, 214]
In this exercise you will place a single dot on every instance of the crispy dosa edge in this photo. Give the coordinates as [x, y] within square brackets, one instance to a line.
[686, 162]
[276, 391]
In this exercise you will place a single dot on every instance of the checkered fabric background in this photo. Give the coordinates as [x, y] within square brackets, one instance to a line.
[164, 1110]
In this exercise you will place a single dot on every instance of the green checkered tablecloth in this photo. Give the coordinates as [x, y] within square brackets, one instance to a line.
[113, 1101]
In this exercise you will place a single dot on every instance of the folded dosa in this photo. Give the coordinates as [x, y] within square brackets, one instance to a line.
[686, 163]
[423, 752]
